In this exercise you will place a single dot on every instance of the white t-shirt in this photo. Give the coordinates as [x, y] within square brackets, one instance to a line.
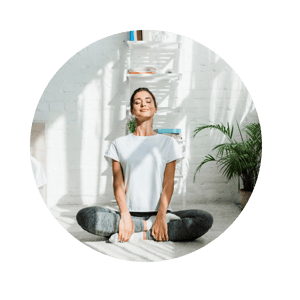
[143, 160]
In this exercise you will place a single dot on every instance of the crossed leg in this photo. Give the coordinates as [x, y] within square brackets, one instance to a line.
[104, 222]
[193, 224]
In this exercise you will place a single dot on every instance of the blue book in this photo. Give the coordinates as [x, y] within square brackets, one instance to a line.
[131, 36]
[170, 130]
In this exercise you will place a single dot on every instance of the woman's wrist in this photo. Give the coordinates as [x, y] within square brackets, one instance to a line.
[125, 213]
[161, 214]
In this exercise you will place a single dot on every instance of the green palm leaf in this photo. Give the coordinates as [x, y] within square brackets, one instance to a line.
[236, 159]
[226, 131]
[207, 159]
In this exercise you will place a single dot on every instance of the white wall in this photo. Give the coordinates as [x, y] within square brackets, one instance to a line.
[84, 108]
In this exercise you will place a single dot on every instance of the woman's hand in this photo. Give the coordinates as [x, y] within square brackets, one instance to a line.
[126, 227]
[160, 228]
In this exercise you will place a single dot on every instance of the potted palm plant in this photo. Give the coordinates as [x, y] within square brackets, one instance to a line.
[237, 159]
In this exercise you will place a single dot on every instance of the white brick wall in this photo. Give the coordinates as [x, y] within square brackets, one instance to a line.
[84, 104]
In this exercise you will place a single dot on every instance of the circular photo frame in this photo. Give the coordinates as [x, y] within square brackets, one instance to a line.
[146, 146]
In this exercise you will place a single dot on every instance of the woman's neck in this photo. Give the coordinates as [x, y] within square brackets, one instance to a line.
[144, 128]
[143, 132]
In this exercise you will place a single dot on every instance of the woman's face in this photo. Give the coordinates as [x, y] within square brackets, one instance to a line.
[143, 105]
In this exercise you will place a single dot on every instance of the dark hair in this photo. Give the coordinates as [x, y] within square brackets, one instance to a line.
[140, 90]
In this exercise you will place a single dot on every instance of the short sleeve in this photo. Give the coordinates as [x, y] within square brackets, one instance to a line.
[175, 152]
[112, 153]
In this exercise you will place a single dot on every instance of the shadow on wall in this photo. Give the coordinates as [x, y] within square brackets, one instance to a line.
[38, 150]
[84, 110]
[78, 107]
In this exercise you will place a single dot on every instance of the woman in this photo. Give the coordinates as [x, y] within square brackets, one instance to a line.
[143, 165]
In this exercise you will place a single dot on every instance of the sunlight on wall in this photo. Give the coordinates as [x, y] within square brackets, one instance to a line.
[187, 66]
[213, 102]
[236, 97]
[89, 112]
[89, 109]
[105, 127]
[109, 76]
[216, 58]
[249, 108]
[57, 159]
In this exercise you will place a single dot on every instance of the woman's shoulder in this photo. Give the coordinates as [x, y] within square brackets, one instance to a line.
[121, 139]
[167, 137]
[128, 138]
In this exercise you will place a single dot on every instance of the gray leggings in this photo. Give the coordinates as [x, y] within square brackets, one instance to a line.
[105, 222]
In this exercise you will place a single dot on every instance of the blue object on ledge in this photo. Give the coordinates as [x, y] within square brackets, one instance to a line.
[169, 130]
[131, 36]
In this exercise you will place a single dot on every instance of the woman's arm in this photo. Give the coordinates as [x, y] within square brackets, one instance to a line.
[160, 228]
[126, 226]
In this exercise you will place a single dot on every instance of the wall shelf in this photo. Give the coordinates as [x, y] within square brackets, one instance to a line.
[164, 109]
[156, 77]
[180, 141]
[151, 44]
[178, 176]
[134, 80]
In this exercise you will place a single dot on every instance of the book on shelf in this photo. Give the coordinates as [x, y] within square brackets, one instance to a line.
[146, 70]
[169, 130]
[136, 35]
[147, 35]
[139, 35]
[177, 136]
[131, 36]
